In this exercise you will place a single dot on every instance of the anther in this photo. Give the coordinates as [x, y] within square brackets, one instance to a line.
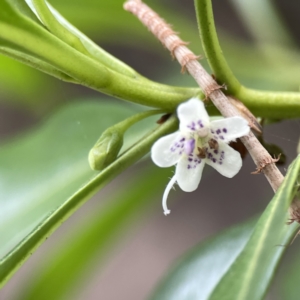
[201, 152]
[213, 144]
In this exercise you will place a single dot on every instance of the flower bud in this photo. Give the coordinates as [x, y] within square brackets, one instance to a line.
[106, 149]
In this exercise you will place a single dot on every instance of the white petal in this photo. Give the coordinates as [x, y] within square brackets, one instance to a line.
[188, 172]
[166, 193]
[192, 114]
[229, 129]
[225, 160]
[161, 152]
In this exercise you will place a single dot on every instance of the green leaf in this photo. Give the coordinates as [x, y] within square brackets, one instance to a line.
[246, 270]
[20, 83]
[41, 174]
[251, 274]
[65, 271]
[287, 283]
[195, 277]
[267, 25]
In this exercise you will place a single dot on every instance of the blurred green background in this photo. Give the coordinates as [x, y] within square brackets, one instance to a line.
[122, 261]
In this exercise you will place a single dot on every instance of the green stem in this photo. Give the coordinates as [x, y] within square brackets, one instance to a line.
[149, 93]
[276, 105]
[57, 28]
[125, 124]
[26, 36]
[36, 64]
[70, 35]
[90, 73]
[10, 263]
[261, 103]
[108, 146]
[212, 47]
[29, 37]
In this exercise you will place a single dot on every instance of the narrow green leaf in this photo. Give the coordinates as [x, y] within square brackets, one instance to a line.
[237, 264]
[65, 271]
[267, 26]
[287, 282]
[250, 275]
[40, 175]
[197, 274]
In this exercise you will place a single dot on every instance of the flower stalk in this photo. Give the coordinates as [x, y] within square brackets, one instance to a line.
[108, 146]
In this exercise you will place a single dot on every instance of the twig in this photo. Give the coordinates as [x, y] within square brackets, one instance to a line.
[188, 60]
[265, 163]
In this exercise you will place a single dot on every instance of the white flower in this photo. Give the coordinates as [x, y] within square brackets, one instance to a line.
[197, 142]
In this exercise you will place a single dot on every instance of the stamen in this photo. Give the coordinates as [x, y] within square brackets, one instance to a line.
[213, 144]
[201, 152]
[166, 193]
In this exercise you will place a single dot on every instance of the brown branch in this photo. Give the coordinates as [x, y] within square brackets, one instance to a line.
[188, 60]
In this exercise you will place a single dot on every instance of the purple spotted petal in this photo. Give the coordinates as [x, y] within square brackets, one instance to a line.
[192, 115]
[229, 129]
[167, 150]
[225, 160]
[188, 172]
